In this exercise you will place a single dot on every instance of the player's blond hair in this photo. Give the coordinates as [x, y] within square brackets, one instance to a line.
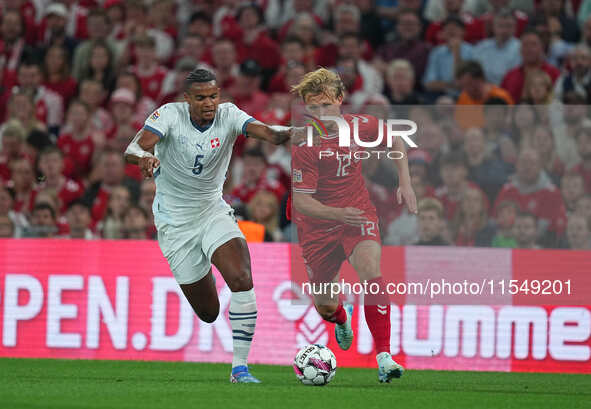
[321, 81]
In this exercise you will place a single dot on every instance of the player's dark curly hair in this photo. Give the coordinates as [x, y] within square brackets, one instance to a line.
[199, 75]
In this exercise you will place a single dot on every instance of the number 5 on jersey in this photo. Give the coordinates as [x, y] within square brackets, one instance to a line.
[198, 166]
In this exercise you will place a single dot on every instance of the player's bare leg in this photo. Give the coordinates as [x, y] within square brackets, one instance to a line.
[232, 259]
[203, 297]
[365, 259]
[332, 310]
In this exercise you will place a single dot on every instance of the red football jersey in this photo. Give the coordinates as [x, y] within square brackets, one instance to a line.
[77, 155]
[333, 174]
[151, 83]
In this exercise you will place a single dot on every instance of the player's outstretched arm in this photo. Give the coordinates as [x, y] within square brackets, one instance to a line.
[140, 152]
[304, 203]
[405, 190]
[274, 134]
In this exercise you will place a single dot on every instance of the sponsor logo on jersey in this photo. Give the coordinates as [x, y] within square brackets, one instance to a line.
[155, 116]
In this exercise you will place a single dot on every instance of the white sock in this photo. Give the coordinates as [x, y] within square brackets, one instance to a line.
[243, 317]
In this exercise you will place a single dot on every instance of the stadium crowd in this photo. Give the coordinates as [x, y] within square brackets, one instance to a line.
[500, 90]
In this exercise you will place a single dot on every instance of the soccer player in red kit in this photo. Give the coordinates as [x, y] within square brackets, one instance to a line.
[335, 218]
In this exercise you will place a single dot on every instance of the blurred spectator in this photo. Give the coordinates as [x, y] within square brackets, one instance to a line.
[12, 44]
[454, 172]
[526, 231]
[57, 73]
[19, 221]
[578, 79]
[78, 216]
[350, 46]
[370, 23]
[7, 229]
[408, 44]
[161, 17]
[431, 223]
[537, 89]
[400, 83]
[444, 59]
[578, 233]
[246, 91]
[563, 25]
[543, 142]
[43, 222]
[200, 24]
[223, 54]
[533, 57]
[484, 169]
[49, 106]
[192, 46]
[555, 48]
[110, 170]
[583, 137]
[144, 105]
[101, 66]
[99, 28]
[292, 53]
[123, 106]
[575, 114]
[254, 177]
[173, 85]
[471, 226]
[263, 208]
[23, 185]
[13, 147]
[78, 142]
[500, 54]
[93, 94]
[524, 119]
[51, 165]
[475, 92]
[135, 223]
[285, 13]
[147, 69]
[254, 41]
[118, 202]
[497, 7]
[583, 207]
[505, 222]
[533, 190]
[21, 107]
[572, 187]
[52, 30]
[307, 30]
[475, 28]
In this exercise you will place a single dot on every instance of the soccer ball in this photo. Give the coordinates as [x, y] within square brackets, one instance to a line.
[315, 365]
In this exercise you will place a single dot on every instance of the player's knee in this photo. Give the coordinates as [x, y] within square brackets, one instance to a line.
[367, 266]
[242, 281]
[209, 315]
[326, 311]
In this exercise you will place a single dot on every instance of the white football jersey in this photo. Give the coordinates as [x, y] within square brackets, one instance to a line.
[193, 161]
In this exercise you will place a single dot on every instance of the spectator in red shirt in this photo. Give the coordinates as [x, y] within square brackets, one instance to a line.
[77, 142]
[471, 226]
[118, 201]
[12, 43]
[149, 72]
[57, 73]
[497, 6]
[246, 91]
[51, 166]
[532, 54]
[52, 30]
[192, 46]
[110, 168]
[223, 55]
[583, 138]
[292, 52]
[475, 27]
[255, 178]
[21, 107]
[572, 188]
[533, 190]
[144, 105]
[161, 16]
[454, 173]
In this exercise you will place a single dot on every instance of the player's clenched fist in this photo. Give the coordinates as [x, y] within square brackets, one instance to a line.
[147, 165]
[352, 216]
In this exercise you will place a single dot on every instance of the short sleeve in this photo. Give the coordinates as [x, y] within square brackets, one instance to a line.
[239, 119]
[304, 170]
[160, 121]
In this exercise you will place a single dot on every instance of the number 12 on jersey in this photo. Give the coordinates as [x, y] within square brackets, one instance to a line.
[368, 229]
[344, 163]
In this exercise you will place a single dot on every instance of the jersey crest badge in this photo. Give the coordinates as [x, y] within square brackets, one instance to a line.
[155, 115]
[215, 143]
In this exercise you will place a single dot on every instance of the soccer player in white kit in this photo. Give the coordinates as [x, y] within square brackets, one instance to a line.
[187, 147]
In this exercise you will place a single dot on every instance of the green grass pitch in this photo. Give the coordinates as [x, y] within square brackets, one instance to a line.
[65, 384]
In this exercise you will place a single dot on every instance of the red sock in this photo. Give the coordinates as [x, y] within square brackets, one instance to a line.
[339, 316]
[377, 316]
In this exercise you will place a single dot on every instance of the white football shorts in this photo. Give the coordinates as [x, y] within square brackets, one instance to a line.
[189, 248]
